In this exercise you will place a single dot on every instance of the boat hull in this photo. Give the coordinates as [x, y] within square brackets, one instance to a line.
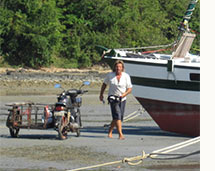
[172, 98]
[174, 117]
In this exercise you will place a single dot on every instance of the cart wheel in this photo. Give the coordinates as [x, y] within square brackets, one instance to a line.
[78, 133]
[9, 122]
[62, 131]
[14, 132]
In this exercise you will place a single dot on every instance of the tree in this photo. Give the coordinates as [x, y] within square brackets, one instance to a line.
[175, 11]
[33, 32]
[36, 33]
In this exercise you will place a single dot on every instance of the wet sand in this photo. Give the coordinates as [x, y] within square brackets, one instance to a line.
[41, 150]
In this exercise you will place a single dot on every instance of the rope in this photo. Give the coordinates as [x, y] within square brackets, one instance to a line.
[128, 119]
[154, 51]
[177, 146]
[130, 116]
[179, 156]
[95, 166]
[133, 161]
[147, 47]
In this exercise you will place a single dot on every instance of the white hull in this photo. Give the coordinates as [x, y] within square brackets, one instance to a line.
[159, 72]
[167, 95]
[172, 98]
[153, 81]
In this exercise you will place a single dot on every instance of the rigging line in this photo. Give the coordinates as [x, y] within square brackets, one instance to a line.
[147, 47]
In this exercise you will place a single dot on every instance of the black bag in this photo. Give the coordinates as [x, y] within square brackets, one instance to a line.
[114, 99]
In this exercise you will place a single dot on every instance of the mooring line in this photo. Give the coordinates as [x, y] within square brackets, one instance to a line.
[131, 116]
[134, 115]
[153, 155]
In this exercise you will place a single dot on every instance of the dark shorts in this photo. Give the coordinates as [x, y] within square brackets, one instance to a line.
[117, 110]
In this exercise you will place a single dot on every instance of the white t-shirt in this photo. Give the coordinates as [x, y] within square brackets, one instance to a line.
[117, 88]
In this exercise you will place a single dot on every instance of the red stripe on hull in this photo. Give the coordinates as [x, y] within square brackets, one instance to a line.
[174, 117]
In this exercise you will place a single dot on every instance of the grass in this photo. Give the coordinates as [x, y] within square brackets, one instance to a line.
[64, 62]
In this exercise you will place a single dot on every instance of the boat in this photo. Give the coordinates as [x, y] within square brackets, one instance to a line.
[166, 85]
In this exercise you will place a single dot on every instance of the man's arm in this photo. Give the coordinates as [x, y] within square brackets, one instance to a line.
[127, 92]
[101, 97]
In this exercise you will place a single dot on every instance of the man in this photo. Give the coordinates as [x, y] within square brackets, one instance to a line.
[119, 86]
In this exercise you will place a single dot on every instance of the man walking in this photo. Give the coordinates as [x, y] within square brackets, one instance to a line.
[119, 87]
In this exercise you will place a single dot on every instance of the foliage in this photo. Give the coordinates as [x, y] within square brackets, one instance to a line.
[31, 33]
[53, 32]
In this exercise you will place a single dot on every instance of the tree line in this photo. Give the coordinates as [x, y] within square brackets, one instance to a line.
[64, 33]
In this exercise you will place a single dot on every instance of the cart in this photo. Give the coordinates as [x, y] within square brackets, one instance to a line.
[29, 115]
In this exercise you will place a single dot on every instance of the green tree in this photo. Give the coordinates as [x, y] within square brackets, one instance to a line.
[36, 33]
[5, 20]
[33, 32]
[84, 24]
[175, 11]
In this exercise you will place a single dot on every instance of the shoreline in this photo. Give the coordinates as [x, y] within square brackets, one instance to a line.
[28, 81]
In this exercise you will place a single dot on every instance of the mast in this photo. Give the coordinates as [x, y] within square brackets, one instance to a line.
[184, 24]
[185, 38]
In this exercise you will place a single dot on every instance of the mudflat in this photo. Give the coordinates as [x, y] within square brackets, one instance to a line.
[41, 149]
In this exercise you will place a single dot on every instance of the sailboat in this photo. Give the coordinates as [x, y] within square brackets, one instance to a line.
[166, 85]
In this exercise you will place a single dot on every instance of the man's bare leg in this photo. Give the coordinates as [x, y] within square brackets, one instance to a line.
[119, 128]
[113, 124]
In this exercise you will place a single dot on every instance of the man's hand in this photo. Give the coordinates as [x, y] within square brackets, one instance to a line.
[101, 97]
[126, 93]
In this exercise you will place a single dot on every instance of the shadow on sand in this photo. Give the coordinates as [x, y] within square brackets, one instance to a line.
[134, 130]
[95, 130]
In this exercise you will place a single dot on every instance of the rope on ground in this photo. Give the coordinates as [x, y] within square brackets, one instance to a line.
[139, 159]
[175, 147]
[131, 116]
[134, 115]
[177, 156]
